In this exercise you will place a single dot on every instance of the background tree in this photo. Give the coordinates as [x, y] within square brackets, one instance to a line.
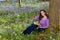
[54, 12]
[43, 0]
[19, 3]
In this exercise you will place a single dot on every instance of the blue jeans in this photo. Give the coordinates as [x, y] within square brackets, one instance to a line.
[31, 28]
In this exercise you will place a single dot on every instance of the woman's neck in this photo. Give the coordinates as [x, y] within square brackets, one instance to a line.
[44, 17]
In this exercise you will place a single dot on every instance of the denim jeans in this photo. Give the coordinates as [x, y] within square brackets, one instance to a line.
[31, 28]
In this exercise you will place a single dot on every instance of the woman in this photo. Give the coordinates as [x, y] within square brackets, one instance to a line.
[42, 23]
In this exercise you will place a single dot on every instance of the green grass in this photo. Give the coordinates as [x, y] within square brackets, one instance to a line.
[11, 27]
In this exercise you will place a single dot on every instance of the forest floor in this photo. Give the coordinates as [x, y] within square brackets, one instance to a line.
[12, 23]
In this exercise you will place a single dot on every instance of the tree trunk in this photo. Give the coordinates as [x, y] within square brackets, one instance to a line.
[19, 3]
[54, 12]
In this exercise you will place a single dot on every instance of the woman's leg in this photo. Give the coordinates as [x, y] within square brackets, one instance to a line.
[30, 29]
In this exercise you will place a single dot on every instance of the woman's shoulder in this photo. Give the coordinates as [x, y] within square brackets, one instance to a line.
[46, 19]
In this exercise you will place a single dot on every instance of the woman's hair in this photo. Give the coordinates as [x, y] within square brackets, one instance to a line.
[40, 16]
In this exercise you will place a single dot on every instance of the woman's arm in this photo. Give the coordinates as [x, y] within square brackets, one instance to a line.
[39, 25]
[36, 18]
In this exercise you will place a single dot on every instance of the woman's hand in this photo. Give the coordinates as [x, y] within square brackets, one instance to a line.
[39, 25]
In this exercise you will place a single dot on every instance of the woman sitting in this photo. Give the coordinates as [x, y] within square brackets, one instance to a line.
[42, 23]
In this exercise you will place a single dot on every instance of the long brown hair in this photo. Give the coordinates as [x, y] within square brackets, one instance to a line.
[40, 16]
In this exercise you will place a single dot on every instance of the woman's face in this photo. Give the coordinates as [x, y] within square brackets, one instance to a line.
[42, 13]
